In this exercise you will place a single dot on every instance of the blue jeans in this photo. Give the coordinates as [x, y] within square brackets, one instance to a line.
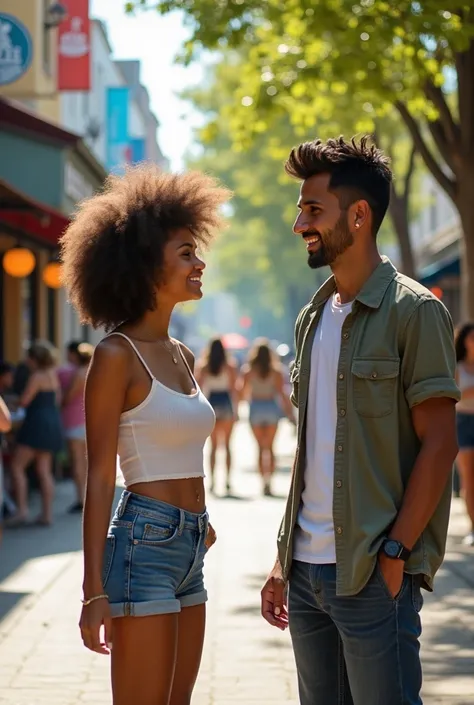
[358, 650]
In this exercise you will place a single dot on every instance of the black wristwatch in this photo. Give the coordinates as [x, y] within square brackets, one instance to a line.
[395, 549]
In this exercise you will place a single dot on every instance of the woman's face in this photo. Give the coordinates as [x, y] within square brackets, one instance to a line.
[182, 269]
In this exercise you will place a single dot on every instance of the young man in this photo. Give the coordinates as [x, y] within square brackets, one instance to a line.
[373, 379]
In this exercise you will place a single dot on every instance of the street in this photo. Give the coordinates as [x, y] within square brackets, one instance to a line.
[42, 660]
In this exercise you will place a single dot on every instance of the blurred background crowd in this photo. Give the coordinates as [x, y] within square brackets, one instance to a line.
[43, 420]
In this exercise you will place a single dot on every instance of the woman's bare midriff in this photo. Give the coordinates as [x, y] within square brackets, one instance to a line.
[187, 494]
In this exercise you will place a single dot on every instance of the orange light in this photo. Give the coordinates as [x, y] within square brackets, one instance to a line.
[437, 291]
[19, 262]
[52, 275]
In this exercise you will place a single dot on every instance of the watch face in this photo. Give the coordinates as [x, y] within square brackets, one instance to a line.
[391, 548]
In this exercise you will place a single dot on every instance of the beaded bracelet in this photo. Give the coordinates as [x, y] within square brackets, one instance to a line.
[93, 599]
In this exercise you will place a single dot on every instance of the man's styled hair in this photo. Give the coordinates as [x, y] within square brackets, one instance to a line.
[358, 171]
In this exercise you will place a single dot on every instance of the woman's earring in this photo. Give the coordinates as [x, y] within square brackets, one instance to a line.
[357, 225]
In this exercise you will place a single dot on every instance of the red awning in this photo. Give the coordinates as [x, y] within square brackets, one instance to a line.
[20, 213]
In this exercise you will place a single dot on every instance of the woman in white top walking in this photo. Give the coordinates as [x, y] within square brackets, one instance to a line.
[217, 376]
[129, 257]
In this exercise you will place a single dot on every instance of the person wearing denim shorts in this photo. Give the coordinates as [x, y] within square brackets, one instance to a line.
[262, 384]
[129, 257]
[217, 375]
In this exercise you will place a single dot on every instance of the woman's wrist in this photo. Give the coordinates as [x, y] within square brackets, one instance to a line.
[92, 587]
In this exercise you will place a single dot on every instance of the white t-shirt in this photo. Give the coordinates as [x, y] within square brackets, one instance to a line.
[314, 535]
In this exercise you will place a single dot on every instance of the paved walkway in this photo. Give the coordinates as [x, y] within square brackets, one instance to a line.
[42, 660]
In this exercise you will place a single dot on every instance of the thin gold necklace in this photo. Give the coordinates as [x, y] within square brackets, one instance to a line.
[169, 347]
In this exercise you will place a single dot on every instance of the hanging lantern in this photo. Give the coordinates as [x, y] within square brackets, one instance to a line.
[19, 262]
[52, 275]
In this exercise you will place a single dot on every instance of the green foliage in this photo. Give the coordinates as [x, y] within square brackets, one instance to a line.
[300, 55]
[258, 258]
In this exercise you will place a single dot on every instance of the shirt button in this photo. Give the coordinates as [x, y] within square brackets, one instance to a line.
[345, 336]
[339, 449]
[342, 412]
[339, 530]
[374, 375]
[341, 376]
[338, 483]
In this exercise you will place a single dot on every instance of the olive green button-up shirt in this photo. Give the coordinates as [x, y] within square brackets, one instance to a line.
[397, 350]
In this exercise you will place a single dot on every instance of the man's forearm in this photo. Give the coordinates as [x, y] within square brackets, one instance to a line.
[425, 487]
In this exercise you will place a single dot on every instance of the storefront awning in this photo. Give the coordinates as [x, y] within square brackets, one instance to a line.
[449, 267]
[20, 214]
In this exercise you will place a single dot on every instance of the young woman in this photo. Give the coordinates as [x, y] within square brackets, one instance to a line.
[217, 376]
[263, 385]
[73, 379]
[465, 419]
[40, 436]
[129, 257]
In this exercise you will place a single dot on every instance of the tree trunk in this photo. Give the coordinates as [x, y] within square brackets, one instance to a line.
[399, 214]
[465, 206]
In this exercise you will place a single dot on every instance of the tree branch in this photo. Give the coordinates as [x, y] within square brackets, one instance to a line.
[448, 153]
[450, 127]
[448, 184]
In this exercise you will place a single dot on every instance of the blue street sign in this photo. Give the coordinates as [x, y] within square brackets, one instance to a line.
[16, 49]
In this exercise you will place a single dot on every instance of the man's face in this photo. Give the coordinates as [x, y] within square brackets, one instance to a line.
[321, 222]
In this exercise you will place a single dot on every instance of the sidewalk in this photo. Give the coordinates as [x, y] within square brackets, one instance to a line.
[42, 660]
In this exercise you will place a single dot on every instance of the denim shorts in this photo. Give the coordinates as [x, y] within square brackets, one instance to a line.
[264, 412]
[153, 559]
[465, 431]
[221, 402]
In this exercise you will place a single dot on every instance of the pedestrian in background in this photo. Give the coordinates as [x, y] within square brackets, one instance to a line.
[373, 379]
[217, 377]
[263, 385]
[130, 256]
[465, 419]
[40, 435]
[73, 379]
[5, 427]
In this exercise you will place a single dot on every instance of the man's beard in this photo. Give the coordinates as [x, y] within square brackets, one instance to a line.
[332, 244]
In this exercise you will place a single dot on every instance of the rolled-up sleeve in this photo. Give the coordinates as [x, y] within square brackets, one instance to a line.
[429, 360]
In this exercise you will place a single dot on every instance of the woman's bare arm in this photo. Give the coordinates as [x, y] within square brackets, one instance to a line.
[106, 387]
[285, 400]
[5, 418]
[31, 390]
[242, 384]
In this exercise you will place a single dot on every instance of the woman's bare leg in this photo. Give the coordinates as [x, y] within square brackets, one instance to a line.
[144, 651]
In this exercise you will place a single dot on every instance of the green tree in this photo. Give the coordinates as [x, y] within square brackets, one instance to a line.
[417, 57]
[257, 258]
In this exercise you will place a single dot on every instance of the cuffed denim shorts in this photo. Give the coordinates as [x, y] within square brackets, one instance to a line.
[264, 412]
[221, 402]
[154, 556]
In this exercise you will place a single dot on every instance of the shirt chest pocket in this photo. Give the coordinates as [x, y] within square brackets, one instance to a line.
[374, 385]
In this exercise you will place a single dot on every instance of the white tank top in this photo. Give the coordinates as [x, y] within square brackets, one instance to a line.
[163, 437]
